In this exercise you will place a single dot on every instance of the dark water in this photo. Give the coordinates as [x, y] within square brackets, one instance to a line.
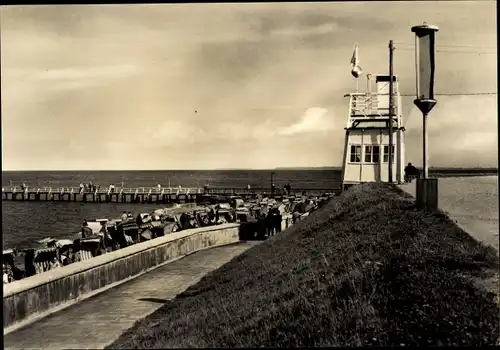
[229, 178]
[25, 222]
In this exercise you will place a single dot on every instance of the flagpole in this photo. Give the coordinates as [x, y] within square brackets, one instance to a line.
[355, 68]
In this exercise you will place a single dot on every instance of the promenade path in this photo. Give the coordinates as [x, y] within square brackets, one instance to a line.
[96, 322]
[472, 202]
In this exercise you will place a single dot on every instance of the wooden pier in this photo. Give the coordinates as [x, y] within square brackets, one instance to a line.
[133, 195]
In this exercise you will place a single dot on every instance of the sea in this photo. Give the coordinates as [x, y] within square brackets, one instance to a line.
[472, 199]
[26, 222]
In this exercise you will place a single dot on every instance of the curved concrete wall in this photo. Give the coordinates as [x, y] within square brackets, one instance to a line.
[32, 298]
[27, 300]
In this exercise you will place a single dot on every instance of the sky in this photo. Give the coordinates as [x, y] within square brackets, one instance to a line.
[211, 86]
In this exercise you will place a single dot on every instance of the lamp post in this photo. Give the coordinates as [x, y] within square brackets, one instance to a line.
[424, 68]
[272, 183]
[391, 105]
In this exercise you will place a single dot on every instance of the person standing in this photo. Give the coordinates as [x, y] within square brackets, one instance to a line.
[106, 238]
[54, 263]
[411, 172]
[86, 230]
[77, 256]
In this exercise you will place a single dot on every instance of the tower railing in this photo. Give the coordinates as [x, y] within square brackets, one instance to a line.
[366, 106]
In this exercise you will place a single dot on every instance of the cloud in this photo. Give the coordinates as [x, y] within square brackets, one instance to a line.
[476, 141]
[250, 70]
[457, 114]
[462, 132]
[314, 119]
[173, 132]
[76, 73]
[84, 77]
[176, 132]
[304, 31]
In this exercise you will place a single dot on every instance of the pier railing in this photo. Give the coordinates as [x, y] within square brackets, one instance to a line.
[119, 190]
[151, 190]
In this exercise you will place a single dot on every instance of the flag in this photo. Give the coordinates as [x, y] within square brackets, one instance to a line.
[356, 70]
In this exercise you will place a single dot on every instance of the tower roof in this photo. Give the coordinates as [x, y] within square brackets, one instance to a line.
[386, 78]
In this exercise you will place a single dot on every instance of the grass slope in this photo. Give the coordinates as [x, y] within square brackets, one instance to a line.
[366, 269]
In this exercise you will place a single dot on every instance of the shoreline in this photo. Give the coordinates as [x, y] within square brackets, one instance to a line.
[118, 233]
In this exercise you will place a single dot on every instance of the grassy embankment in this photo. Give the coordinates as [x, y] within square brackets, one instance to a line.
[366, 269]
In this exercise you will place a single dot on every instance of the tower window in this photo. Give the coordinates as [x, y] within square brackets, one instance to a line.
[355, 154]
[372, 154]
[386, 154]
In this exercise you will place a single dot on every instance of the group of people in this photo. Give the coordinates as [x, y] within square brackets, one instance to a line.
[72, 253]
[88, 187]
[103, 233]
[85, 187]
[269, 220]
[12, 273]
[128, 222]
[52, 264]
[8, 274]
[206, 188]
[92, 188]
[287, 189]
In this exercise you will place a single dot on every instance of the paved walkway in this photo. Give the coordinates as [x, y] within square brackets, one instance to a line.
[472, 202]
[98, 321]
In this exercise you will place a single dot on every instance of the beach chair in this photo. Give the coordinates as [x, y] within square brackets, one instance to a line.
[83, 255]
[128, 239]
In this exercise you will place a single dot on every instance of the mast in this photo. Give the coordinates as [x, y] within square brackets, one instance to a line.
[391, 106]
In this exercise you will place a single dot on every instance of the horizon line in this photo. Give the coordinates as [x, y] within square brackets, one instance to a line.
[234, 169]
[187, 169]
